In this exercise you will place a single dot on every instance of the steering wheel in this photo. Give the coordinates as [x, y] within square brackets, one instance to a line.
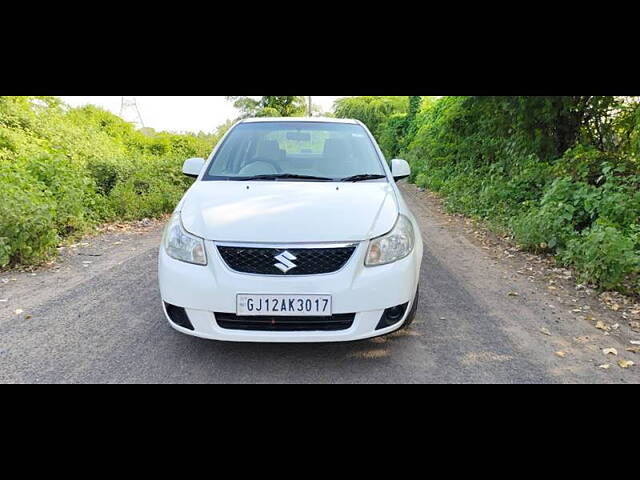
[271, 162]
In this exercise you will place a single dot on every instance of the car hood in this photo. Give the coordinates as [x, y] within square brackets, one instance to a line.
[289, 212]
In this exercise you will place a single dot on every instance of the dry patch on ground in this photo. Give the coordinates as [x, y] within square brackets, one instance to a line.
[369, 354]
[473, 358]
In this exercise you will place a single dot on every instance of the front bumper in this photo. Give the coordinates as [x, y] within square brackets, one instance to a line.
[365, 291]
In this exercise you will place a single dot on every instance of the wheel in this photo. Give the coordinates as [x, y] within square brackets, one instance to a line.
[412, 312]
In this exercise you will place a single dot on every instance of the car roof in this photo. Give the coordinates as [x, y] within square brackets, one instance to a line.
[299, 119]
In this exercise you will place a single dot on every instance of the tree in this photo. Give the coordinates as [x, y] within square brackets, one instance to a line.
[247, 105]
[370, 110]
[282, 106]
[414, 107]
[409, 125]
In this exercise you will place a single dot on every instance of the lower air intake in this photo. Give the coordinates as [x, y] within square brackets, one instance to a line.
[230, 321]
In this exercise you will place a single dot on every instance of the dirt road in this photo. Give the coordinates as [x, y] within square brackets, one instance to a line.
[95, 316]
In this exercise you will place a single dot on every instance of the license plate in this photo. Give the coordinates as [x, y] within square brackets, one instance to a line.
[283, 305]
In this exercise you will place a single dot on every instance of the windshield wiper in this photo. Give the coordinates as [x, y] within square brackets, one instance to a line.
[277, 176]
[361, 177]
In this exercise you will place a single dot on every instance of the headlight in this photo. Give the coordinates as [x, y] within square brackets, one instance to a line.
[393, 246]
[181, 245]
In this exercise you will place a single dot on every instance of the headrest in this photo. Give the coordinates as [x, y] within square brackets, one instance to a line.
[269, 149]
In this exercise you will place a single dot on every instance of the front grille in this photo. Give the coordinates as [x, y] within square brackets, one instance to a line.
[230, 321]
[308, 261]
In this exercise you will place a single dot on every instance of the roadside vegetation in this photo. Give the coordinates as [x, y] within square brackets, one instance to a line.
[64, 170]
[559, 174]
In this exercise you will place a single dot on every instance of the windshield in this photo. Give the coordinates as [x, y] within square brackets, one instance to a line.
[303, 151]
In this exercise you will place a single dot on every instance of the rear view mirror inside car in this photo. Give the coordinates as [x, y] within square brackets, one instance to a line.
[299, 136]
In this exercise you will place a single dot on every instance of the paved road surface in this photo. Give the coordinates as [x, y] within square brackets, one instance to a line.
[102, 322]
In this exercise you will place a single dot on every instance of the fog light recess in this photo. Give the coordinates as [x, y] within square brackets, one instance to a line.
[392, 315]
[178, 315]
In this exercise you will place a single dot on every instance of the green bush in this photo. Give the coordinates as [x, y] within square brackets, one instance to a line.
[70, 188]
[28, 230]
[151, 189]
[105, 173]
[561, 173]
[390, 135]
[63, 170]
[620, 201]
[603, 255]
[370, 110]
[565, 207]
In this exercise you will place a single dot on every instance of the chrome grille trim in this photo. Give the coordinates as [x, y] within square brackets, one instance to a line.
[288, 247]
[285, 246]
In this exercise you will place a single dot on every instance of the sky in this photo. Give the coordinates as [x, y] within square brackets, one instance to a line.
[179, 114]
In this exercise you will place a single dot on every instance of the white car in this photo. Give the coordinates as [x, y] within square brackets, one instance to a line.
[294, 231]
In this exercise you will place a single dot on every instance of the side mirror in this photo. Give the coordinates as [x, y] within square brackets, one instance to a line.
[400, 169]
[193, 166]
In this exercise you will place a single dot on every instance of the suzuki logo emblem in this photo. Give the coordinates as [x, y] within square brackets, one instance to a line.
[284, 261]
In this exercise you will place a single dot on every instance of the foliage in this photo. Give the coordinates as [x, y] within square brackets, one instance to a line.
[372, 111]
[391, 133]
[565, 208]
[561, 173]
[64, 170]
[602, 254]
[291, 106]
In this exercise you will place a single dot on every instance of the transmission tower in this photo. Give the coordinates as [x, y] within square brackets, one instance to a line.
[130, 113]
